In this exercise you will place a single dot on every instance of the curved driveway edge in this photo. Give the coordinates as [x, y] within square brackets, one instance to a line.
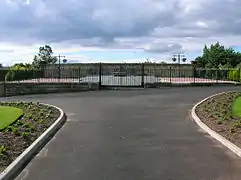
[211, 132]
[21, 161]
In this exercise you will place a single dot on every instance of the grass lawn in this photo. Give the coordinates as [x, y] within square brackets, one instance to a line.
[8, 115]
[236, 108]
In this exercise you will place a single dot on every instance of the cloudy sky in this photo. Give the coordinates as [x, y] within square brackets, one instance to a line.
[116, 31]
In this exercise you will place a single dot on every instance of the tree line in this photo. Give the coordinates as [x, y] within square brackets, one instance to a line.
[216, 56]
[22, 71]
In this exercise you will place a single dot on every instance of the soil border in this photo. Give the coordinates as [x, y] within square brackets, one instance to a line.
[234, 148]
[25, 157]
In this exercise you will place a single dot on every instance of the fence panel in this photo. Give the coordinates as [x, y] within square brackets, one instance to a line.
[122, 74]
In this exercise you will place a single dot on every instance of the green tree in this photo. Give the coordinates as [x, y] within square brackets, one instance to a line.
[217, 56]
[20, 66]
[44, 57]
[200, 62]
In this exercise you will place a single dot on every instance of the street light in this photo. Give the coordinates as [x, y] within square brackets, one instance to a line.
[64, 61]
[147, 60]
[178, 59]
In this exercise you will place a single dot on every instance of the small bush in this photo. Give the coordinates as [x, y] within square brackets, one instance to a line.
[2, 150]
[237, 125]
[18, 75]
[234, 75]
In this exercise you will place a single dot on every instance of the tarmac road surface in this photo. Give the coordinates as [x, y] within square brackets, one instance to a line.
[142, 134]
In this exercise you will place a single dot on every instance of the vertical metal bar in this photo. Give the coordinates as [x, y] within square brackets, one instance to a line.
[4, 84]
[39, 71]
[59, 68]
[179, 70]
[170, 74]
[79, 73]
[194, 74]
[142, 75]
[100, 74]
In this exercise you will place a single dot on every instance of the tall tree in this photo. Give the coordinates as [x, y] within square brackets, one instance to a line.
[200, 62]
[44, 57]
[217, 56]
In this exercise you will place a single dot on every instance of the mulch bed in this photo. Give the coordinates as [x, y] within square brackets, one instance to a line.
[22, 133]
[216, 113]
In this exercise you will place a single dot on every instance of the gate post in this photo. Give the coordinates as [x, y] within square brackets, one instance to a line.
[216, 73]
[100, 74]
[79, 74]
[142, 75]
[2, 89]
[194, 74]
[170, 74]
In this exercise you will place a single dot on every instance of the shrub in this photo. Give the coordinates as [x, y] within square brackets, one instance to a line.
[3, 73]
[222, 74]
[2, 150]
[16, 75]
[206, 73]
[234, 75]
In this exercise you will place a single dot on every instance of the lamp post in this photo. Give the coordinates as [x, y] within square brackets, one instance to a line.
[180, 57]
[64, 61]
[194, 69]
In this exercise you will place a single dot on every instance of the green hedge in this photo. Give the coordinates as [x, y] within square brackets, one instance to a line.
[218, 74]
[3, 73]
[18, 75]
[234, 75]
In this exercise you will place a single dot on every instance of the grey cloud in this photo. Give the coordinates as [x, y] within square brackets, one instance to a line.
[100, 22]
[164, 48]
[82, 19]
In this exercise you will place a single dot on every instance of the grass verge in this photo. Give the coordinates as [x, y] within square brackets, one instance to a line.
[8, 115]
[237, 107]
[222, 114]
[16, 137]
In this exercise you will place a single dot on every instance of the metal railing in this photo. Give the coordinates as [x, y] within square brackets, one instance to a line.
[122, 74]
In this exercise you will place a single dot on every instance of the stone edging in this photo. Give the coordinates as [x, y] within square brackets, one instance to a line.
[21, 161]
[211, 132]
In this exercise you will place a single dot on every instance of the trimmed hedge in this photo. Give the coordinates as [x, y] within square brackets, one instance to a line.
[18, 75]
[234, 75]
[219, 74]
[3, 73]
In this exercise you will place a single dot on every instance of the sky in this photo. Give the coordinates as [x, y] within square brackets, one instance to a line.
[116, 31]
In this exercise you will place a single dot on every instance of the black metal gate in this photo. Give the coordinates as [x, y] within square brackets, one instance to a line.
[121, 75]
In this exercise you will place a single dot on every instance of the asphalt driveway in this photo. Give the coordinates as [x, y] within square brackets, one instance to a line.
[131, 135]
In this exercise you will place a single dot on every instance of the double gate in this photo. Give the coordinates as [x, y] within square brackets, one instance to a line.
[121, 75]
[125, 74]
